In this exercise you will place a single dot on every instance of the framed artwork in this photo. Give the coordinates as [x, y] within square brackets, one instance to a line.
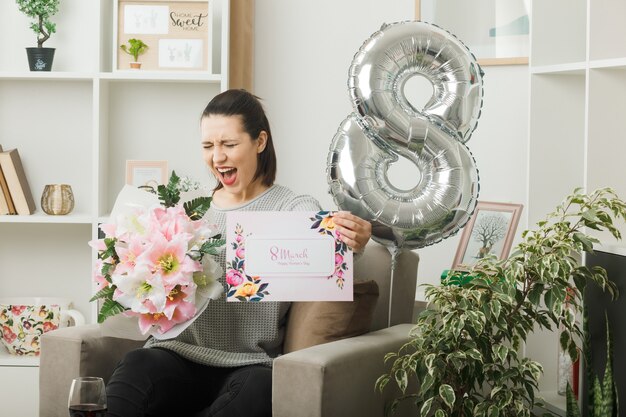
[146, 174]
[495, 31]
[490, 231]
[177, 32]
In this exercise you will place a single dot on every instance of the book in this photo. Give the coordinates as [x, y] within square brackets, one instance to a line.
[15, 177]
[6, 203]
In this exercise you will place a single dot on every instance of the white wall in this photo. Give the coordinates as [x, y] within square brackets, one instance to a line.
[303, 51]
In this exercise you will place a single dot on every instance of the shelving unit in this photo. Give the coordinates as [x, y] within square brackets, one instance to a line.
[78, 125]
[577, 103]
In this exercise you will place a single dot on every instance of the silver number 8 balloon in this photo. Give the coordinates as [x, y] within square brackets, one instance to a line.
[385, 127]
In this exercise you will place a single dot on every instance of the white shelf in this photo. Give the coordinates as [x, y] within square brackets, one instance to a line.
[615, 63]
[577, 105]
[574, 68]
[39, 217]
[77, 125]
[161, 76]
[6, 359]
[52, 75]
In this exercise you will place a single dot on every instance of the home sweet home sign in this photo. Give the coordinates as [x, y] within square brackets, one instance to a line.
[178, 34]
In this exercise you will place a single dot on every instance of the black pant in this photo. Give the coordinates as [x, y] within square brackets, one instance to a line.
[158, 382]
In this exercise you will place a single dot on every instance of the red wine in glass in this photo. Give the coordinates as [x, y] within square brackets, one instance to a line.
[87, 410]
[87, 397]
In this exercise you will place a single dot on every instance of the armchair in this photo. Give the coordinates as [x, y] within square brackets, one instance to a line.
[327, 380]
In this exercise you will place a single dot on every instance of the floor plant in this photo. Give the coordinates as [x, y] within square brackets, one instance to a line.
[602, 399]
[463, 358]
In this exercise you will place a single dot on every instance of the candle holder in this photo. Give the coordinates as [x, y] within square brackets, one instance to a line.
[57, 199]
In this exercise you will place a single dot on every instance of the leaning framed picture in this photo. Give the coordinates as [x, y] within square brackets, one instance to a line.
[176, 35]
[490, 230]
[495, 31]
[146, 174]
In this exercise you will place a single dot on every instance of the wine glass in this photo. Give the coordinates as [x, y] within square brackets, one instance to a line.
[87, 397]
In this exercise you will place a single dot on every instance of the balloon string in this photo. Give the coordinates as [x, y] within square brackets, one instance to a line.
[394, 251]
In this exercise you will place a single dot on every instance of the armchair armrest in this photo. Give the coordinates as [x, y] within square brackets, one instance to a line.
[337, 378]
[70, 352]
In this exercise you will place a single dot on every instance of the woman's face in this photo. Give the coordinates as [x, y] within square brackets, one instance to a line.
[231, 153]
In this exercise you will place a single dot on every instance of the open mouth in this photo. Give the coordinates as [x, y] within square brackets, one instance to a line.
[227, 175]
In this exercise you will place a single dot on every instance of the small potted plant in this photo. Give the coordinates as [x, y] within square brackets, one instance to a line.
[134, 48]
[40, 58]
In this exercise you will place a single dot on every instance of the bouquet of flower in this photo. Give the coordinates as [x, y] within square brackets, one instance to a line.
[157, 263]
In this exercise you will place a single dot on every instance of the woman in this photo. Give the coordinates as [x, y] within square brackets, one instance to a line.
[221, 364]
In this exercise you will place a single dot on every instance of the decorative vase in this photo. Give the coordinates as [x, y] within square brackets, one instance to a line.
[40, 59]
[57, 199]
[135, 65]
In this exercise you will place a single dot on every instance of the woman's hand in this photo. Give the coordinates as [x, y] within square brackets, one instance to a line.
[355, 232]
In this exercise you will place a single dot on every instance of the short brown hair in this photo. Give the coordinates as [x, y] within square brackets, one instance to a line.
[247, 106]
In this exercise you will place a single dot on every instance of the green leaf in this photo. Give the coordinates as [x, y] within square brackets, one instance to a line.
[106, 292]
[447, 395]
[169, 195]
[572, 405]
[427, 383]
[210, 246]
[493, 411]
[564, 339]
[109, 308]
[197, 207]
[550, 298]
[583, 240]
[426, 407]
[440, 413]
[381, 383]
[401, 378]
[495, 308]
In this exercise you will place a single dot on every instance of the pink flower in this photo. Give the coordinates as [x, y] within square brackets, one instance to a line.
[129, 253]
[338, 259]
[172, 221]
[177, 310]
[170, 259]
[108, 229]
[98, 244]
[98, 278]
[233, 277]
[239, 238]
[240, 252]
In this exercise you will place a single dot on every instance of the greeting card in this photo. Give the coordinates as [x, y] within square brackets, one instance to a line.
[286, 256]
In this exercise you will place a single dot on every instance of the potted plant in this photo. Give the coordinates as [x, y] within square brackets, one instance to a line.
[463, 358]
[134, 48]
[602, 396]
[40, 58]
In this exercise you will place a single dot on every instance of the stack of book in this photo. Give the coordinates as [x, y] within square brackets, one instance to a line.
[15, 195]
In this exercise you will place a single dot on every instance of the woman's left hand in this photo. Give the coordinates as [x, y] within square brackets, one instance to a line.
[355, 232]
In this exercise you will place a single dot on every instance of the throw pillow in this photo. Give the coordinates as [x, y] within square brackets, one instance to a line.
[313, 323]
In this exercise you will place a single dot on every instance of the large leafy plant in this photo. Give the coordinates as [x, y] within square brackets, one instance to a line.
[463, 357]
[41, 11]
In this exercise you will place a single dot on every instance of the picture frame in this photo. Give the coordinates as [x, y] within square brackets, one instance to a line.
[146, 174]
[178, 34]
[490, 230]
[496, 32]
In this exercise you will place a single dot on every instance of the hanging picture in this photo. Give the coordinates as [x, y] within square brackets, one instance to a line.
[496, 31]
[176, 35]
